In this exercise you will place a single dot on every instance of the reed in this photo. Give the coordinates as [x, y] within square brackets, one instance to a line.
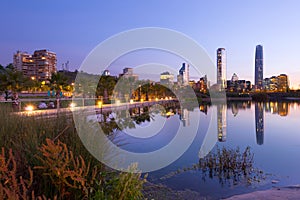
[49, 161]
[229, 165]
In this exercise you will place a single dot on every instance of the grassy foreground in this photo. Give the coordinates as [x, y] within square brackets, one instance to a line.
[45, 159]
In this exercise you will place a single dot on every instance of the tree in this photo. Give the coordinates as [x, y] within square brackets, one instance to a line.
[30, 84]
[86, 84]
[58, 81]
[106, 86]
[11, 79]
[1, 69]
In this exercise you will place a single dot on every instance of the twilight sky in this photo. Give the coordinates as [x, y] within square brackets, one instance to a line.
[73, 28]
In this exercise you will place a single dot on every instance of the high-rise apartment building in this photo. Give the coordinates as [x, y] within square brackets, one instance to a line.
[20, 61]
[259, 67]
[39, 66]
[221, 68]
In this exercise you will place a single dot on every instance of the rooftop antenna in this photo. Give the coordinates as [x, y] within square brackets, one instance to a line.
[67, 65]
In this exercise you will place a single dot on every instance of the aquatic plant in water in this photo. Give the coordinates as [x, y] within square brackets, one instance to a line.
[228, 165]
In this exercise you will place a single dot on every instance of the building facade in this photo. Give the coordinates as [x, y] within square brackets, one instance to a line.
[184, 75]
[236, 85]
[283, 83]
[259, 77]
[166, 78]
[203, 84]
[276, 83]
[19, 60]
[39, 66]
[128, 73]
[221, 68]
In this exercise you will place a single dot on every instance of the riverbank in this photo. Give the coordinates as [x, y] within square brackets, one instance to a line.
[159, 191]
[276, 193]
[154, 191]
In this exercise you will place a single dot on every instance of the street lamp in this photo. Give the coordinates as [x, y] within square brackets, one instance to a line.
[100, 105]
[29, 108]
[140, 92]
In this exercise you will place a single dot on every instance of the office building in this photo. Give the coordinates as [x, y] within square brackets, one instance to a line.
[236, 85]
[128, 73]
[221, 68]
[283, 83]
[259, 68]
[203, 84]
[166, 78]
[276, 83]
[184, 75]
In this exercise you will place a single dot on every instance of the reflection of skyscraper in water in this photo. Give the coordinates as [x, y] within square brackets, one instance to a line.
[259, 122]
[234, 109]
[184, 116]
[221, 115]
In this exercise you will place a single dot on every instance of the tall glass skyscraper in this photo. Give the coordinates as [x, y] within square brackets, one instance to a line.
[221, 68]
[259, 77]
[184, 74]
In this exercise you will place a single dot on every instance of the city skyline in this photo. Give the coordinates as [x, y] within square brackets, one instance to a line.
[74, 29]
[42, 64]
[37, 67]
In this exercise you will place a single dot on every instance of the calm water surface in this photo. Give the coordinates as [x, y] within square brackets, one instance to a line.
[272, 130]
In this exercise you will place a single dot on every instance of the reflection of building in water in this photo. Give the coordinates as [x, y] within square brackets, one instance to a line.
[259, 122]
[280, 108]
[184, 116]
[236, 106]
[234, 109]
[203, 108]
[283, 108]
[221, 115]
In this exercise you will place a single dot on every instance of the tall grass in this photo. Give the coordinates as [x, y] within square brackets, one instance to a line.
[61, 166]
